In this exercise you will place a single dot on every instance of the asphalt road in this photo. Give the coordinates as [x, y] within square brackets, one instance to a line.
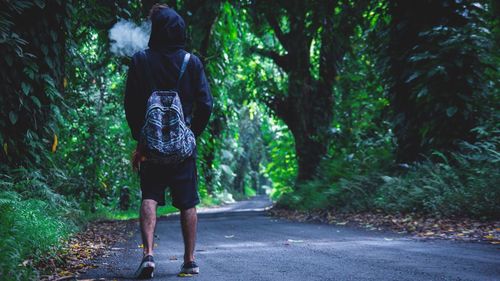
[240, 242]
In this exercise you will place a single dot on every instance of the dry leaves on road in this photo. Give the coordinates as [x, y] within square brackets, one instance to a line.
[77, 253]
[418, 226]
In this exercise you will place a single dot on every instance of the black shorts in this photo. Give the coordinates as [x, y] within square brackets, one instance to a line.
[180, 178]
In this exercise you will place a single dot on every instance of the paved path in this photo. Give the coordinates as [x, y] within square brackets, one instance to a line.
[239, 242]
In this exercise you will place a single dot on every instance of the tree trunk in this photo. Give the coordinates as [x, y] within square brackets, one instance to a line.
[307, 108]
[308, 115]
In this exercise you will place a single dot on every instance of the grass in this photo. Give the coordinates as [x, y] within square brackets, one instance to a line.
[134, 213]
[30, 229]
[250, 192]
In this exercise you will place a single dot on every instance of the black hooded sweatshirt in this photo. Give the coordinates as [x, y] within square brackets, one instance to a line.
[164, 59]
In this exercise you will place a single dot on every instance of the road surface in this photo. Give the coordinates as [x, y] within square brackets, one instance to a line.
[240, 242]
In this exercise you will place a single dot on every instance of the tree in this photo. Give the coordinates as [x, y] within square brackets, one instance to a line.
[435, 65]
[32, 76]
[307, 107]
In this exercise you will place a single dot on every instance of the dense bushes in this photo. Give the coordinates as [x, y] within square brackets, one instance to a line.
[436, 62]
[342, 179]
[33, 222]
[463, 184]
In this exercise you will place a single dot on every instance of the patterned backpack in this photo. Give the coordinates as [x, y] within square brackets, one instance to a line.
[165, 136]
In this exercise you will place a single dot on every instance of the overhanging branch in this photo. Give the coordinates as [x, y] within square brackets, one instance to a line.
[281, 60]
[282, 37]
[335, 37]
[278, 104]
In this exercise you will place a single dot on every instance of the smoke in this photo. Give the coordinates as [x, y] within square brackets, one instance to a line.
[127, 38]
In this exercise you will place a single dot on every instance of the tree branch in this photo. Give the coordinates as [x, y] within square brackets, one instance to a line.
[281, 60]
[278, 104]
[336, 36]
[273, 22]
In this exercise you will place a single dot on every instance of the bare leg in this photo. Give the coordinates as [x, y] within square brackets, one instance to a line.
[189, 220]
[148, 224]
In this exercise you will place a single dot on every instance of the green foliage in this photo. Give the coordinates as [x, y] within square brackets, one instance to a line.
[464, 184]
[342, 183]
[359, 174]
[34, 221]
[32, 78]
[282, 167]
[437, 59]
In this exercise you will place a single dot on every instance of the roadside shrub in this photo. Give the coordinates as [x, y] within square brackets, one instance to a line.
[460, 184]
[346, 181]
[463, 184]
[33, 222]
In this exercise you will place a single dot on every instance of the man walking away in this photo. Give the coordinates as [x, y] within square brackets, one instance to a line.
[158, 78]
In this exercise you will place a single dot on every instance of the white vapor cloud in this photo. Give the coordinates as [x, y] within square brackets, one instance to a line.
[127, 38]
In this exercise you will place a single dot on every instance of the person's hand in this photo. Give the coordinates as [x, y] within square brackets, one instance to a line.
[137, 158]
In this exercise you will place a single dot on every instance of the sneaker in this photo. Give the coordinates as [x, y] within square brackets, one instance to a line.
[145, 270]
[190, 268]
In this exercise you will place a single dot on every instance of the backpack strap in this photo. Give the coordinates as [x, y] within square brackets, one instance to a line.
[183, 69]
[149, 76]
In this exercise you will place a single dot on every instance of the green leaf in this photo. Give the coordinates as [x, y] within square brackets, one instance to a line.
[422, 93]
[45, 49]
[8, 59]
[29, 72]
[13, 117]
[36, 101]
[40, 3]
[26, 88]
[412, 77]
[49, 62]
[53, 34]
[227, 170]
[49, 80]
[451, 111]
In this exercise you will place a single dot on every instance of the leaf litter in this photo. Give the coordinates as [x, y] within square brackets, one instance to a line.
[420, 227]
[76, 255]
